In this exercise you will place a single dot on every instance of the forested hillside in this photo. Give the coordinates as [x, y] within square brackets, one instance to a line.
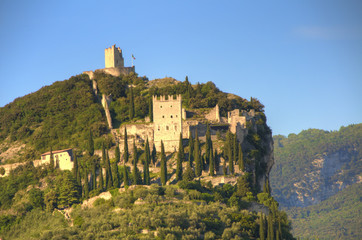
[57, 116]
[338, 217]
[310, 169]
[152, 195]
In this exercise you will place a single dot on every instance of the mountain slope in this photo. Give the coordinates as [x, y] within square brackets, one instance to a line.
[55, 116]
[315, 164]
[316, 179]
[338, 217]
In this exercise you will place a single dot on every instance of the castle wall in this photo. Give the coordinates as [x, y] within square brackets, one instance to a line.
[106, 100]
[214, 114]
[167, 118]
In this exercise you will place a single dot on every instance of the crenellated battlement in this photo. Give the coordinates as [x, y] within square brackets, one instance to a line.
[165, 98]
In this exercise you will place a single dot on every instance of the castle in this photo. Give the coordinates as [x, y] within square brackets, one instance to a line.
[114, 63]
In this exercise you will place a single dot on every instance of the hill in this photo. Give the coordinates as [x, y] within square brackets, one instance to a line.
[56, 116]
[338, 217]
[310, 169]
[214, 186]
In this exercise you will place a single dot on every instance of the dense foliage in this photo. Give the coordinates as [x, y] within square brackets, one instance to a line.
[335, 217]
[59, 115]
[191, 210]
[294, 156]
[338, 217]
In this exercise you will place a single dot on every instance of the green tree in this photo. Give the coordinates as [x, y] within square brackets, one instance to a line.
[235, 149]
[86, 185]
[180, 159]
[125, 176]
[197, 156]
[101, 178]
[229, 153]
[261, 227]
[115, 174]
[117, 154]
[50, 199]
[154, 154]
[191, 148]
[241, 159]
[90, 143]
[211, 165]
[94, 173]
[75, 167]
[135, 173]
[68, 191]
[146, 168]
[270, 228]
[163, 165]
[109, 178]
[131, 104]
[36, 198]
[52, 164]
[208, 144]
[125, 154]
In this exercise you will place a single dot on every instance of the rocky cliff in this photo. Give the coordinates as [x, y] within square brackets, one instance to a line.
[315, 165]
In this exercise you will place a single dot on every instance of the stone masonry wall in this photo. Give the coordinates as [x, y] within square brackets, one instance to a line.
[167, 118]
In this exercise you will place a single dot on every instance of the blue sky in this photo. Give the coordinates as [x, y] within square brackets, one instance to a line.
[301, 59]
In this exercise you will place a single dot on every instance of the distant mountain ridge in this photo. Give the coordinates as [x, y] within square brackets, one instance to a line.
[316, 178]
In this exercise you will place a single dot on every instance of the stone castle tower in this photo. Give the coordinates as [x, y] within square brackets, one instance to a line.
[167, 119]
[113, 57]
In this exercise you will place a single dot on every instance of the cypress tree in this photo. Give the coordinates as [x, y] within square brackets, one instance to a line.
[109, 177]
[51, 162]
[241, 159]
[135, 160]
[146, 169]
[94, 175]
[86, 185]
[163, 165]
[267, 186]
[154, 154]
[229, 153]
[211, 165]
[180, 159]
[115, 174]
[235, 150]
[126, 154]
[208, 144]
[197, 156]
[191, 149]
[117, 154]
[103, 155]
[90, 143]
[224, 168]
[131, 105]
[280, 228]
[150, 109]
[261, 227]
[101, 179]
[75, 167]
[270, 228]
[216, 161]
[125, 176]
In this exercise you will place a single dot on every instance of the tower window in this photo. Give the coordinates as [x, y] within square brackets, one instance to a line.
[171, 106]
[171, 116]
[160, 106]
[166, 127]
[163, 116]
